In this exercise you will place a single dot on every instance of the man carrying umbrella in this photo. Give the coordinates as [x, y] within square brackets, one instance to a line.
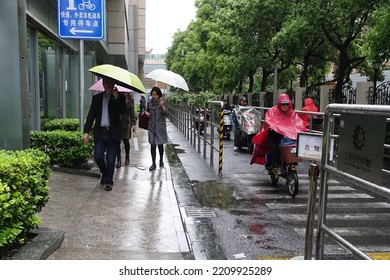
[105, 111]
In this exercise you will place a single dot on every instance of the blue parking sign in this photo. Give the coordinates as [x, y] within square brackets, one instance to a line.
[81, 19]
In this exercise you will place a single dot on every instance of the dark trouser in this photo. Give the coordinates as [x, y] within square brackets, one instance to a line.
[153, 152]
[126, 143]
[273, 141]
[105, 144]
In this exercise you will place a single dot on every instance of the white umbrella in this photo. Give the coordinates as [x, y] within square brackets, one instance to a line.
[168, 77]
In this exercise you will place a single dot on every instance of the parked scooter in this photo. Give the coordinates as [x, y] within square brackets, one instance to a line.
[227, 123]
[199, 120]
[247, 122]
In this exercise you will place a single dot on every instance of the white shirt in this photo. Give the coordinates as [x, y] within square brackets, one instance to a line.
[105, 121]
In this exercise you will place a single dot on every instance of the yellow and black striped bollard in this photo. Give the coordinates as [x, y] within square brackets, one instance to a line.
[221, 122]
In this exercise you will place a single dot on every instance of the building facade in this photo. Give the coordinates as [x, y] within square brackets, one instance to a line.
[41, 71]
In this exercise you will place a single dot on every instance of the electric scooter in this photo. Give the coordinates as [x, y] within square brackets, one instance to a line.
[199, 120]
[289, 169]
[227, 123]
[247, 124]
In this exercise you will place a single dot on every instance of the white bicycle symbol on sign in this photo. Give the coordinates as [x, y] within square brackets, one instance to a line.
[86, 4]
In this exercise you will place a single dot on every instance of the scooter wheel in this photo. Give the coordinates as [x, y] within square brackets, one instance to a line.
[292, 183]
[274, 177]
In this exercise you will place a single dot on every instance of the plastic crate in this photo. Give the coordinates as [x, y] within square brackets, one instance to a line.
[289, 153]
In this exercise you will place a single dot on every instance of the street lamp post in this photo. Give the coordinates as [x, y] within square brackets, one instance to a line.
[375, 66]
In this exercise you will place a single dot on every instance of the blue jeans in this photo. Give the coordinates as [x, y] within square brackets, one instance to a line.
[104, 144]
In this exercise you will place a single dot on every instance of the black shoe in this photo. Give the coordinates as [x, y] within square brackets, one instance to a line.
[153, 167]
[108, 188]
[161, 164]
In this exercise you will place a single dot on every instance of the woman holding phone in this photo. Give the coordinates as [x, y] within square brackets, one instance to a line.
[156, 111]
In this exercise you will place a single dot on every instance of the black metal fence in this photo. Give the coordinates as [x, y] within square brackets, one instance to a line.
[381, 94]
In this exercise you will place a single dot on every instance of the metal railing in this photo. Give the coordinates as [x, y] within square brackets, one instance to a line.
[184, 118]
[329, 168]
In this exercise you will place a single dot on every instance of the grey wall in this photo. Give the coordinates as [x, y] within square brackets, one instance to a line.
[13, 72]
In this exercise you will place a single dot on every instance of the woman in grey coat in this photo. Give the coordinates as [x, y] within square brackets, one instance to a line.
[156, 111]
[128, 121]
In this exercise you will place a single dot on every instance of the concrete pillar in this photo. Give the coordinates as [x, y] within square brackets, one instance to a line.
[261, 98]
[249, 100]
[275, 87]
[298, 97]
[324, 97]
[133, 39]
[362, 92]
[230, 98]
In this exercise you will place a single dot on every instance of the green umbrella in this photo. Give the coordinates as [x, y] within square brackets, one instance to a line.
[121, 76]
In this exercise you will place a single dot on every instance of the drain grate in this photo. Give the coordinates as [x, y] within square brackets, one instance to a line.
[200, 212]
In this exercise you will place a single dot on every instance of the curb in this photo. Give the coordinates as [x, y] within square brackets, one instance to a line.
[94, 172]
[182, 235]
[42, 246]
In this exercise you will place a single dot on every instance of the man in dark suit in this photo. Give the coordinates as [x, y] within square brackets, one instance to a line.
[105, 111]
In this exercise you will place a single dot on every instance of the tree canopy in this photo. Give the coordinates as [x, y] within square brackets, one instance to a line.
[235, 45]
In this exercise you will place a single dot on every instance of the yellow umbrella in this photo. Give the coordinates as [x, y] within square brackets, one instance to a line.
[121, 76]
[98, 86]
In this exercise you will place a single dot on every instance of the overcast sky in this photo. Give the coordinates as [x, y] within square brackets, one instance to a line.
[163, 19]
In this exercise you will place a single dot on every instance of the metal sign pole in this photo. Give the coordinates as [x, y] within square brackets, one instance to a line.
[314, 173]
[81, 53]
[81, 20]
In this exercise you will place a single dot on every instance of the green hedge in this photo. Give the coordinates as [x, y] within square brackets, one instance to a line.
[23, 193]
[61, 124]
[199, 99]
[64, 148]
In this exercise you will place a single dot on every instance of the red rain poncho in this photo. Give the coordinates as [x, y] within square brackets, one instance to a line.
[285, 123]
[310, 107]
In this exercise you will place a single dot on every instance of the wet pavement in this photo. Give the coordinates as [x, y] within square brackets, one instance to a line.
[139, 219]
[225, 216]
[181, 211]
[241, 215]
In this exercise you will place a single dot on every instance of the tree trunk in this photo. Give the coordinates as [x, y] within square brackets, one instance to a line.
[251, 81]
[341, 72]
[264, 79]
[304, 73]
[239, 87]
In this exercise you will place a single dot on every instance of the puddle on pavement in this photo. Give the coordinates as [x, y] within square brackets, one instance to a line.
[257, 229]
[214, 194]
[238, 212]
[171, 153]
[176, 150]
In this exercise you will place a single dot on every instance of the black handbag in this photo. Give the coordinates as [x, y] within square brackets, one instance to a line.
[143, 121]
